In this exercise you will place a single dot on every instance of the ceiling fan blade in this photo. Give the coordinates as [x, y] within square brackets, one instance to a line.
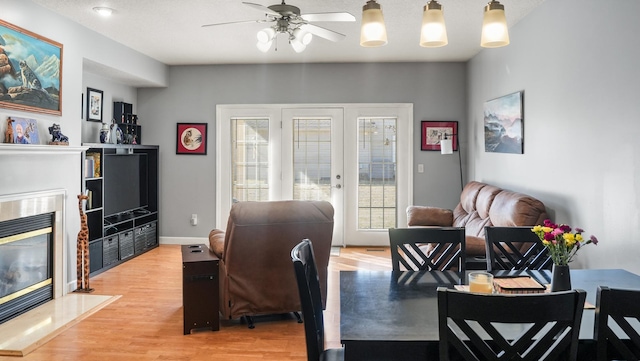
[328, 17]
[235, 22]
[262, 8]
[322, 32]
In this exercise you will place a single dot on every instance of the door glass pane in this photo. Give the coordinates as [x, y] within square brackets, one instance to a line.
[250, 159]
[312, 159]
[377, 173]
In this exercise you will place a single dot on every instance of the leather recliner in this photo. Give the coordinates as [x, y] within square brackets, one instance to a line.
[256, 275]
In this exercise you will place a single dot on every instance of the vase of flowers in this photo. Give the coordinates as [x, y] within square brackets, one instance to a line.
[563, 243]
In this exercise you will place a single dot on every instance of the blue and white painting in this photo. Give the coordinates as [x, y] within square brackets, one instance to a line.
[30, 71]
[503, 124]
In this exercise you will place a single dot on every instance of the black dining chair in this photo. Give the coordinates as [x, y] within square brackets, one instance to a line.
[427, 248]
[304, 265]
[617, 310]
[515, 248]
[543, 326]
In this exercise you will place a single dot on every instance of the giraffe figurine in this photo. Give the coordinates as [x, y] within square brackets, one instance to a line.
[82, 258]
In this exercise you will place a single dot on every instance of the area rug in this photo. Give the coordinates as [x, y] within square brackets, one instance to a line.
[23, 334]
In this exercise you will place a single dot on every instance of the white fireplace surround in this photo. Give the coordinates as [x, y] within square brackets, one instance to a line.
[21, 205]
[33, 169]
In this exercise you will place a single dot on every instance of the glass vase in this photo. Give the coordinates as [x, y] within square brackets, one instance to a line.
[560, 278]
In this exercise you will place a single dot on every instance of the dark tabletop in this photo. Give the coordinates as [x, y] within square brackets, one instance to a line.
[392, 306]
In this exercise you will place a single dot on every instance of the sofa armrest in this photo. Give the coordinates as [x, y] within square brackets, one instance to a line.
[216, 242]
[429, 216]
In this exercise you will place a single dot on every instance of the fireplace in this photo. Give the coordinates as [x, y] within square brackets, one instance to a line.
[31, 251]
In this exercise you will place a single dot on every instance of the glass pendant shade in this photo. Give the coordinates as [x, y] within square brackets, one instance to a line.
[494, 26]
[434, 31]
[446, 146]
[297, 45]
[264, 47]
[303, 36]
[373, 32]
[266, 35]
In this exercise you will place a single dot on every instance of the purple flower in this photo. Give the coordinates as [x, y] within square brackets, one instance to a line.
[549, 237]
[594, 240]
[579, 230]
[565, 228]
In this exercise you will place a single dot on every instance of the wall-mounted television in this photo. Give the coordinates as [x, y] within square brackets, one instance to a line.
[125, 183]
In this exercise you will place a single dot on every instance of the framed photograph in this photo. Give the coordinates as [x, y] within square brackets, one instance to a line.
[25, 131]
[94, 105]
[433, 132]
[30, 71]
[503, 128]
[191, 138]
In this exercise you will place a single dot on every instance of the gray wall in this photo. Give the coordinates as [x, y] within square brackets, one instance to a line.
[59, 169]
[577, 62]
[437, 90]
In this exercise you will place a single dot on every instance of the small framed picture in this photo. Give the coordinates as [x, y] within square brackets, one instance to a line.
[25, 131]
[94, 105]
[191, 138]
[433, 132]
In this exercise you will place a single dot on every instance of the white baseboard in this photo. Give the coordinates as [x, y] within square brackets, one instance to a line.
[184, 240]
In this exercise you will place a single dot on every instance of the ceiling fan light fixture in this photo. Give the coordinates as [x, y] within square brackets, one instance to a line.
[297, 45]
[264, 47]
[303, 36]
[433, 33]
[495, 32]
[373, 32]
[266, 35]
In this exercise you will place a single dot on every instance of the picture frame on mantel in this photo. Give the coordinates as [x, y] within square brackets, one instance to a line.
[191, 138]
[31, 72]
[432, 132]
[94, 105]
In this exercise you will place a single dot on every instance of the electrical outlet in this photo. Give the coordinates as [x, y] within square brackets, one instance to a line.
[420, 168]
[194, 219]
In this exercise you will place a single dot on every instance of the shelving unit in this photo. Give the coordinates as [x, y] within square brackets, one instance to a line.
[126, 120]
[114, 239]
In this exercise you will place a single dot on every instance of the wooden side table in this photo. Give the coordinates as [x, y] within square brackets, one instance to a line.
[200, 287]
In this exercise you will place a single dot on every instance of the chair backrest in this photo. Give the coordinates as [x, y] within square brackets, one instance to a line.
[617, 309]
[542, 326]
[428, 248]
[306, 273]
[515, 248]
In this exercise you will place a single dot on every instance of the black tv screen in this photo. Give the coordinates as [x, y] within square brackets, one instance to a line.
[124, 183]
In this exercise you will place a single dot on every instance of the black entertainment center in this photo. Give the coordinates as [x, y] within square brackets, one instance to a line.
[122, 211]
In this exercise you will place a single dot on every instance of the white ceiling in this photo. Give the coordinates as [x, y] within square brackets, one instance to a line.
[170, 30]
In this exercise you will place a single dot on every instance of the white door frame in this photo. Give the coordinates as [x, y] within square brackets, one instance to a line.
[352, 112]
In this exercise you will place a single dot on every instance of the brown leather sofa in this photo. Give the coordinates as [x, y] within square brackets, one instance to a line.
[256, 275]
[481, 205]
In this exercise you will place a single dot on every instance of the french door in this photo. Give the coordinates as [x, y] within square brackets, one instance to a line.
[275, 152]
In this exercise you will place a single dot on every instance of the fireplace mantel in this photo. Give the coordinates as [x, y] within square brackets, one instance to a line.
[9, 149]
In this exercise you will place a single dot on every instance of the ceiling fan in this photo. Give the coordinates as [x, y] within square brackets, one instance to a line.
[287, 19]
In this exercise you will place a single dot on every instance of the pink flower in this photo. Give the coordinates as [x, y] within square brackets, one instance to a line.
[549, 237]
[557, 231]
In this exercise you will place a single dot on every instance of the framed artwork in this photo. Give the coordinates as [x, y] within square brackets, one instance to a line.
[94, 105]
[191, 138]
[30, 71]
[433, 132]
[503, 127]
[25, 131]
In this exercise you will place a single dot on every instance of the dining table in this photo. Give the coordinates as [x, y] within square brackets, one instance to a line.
[393, 315]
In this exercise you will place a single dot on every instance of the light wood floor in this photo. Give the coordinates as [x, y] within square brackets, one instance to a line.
[146, 322]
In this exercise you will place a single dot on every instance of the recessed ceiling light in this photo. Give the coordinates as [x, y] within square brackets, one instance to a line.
[104, 11]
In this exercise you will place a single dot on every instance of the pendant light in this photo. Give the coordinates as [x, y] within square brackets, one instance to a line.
[494, 26]
[373, 32]
[434, 31]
